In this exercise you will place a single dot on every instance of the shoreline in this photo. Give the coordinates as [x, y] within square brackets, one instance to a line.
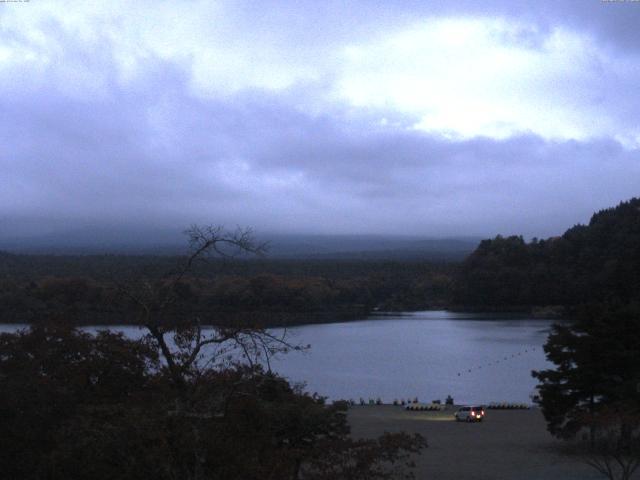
[347, 317]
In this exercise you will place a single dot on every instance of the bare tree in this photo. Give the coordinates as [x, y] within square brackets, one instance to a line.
[613, 448]
[191, 347]
[186, 341]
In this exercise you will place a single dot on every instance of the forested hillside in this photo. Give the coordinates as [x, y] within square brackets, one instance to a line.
[595, 262]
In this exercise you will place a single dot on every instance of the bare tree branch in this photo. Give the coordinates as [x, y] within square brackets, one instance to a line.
[190, 340]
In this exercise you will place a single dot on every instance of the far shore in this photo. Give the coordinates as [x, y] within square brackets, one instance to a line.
[289, 319]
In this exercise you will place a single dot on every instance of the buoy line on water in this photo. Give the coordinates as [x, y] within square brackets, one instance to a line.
[496, 362]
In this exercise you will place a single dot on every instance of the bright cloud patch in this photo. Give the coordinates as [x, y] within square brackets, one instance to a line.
[477, 77]
[458, 77]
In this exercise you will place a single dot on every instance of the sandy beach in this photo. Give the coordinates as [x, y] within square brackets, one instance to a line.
[508, 444]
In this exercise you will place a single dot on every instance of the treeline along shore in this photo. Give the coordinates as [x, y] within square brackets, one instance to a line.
[87, 289]
[597, 262]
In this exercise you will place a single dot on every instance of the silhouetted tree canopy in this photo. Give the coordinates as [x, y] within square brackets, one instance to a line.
[597, 360]
[81, 406]
[596, 262]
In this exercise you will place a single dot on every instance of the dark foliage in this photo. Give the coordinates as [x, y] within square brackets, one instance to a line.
[614, 450]
[597, 361]
[597, 262]
[78, 406]
[51, 376]
[272, 291]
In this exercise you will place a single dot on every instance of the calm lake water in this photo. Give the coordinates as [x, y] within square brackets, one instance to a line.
[476, 358]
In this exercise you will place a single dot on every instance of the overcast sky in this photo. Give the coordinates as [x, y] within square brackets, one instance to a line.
[398, 117]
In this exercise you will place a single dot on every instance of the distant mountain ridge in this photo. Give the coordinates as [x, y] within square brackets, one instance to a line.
[164, 242]
[371, 247]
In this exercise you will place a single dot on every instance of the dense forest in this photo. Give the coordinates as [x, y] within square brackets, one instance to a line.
[85, 289]
[598, 262]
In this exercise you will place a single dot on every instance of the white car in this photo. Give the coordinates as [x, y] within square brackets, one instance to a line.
[470, 414]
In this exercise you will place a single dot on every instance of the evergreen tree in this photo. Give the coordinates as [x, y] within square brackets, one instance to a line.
[597, 362]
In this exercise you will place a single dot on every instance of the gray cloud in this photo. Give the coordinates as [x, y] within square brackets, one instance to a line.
[81, 146]
[257, 160]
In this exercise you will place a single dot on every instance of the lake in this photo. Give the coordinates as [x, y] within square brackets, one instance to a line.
[475, 358]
